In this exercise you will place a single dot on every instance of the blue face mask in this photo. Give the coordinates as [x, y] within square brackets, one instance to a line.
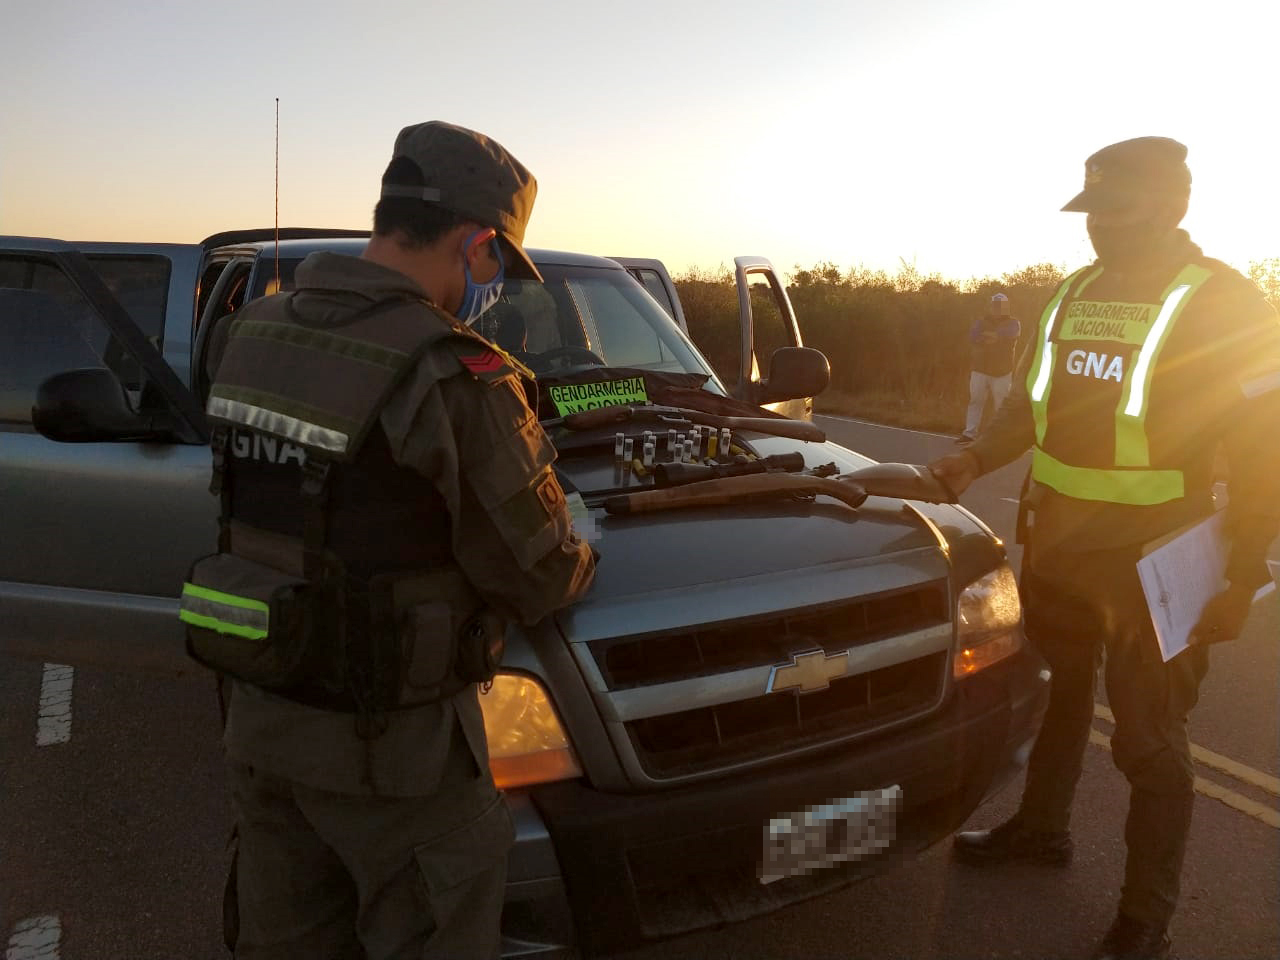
[479, 297]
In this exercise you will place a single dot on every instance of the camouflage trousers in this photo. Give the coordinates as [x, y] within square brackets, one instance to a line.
[331, 876]
[1082, 610]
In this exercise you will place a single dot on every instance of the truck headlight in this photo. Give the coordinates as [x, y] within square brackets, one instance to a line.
[988, 619]
[527, 744]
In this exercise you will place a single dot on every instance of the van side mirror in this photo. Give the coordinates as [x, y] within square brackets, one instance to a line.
[88, 406]
[795, 372]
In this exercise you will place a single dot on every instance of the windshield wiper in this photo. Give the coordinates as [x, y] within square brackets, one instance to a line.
[771, 426]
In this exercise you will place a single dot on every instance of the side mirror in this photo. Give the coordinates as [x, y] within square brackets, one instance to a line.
[87, 406]
[795, 372]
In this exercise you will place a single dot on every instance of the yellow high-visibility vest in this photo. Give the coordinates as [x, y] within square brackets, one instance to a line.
[1078, 343]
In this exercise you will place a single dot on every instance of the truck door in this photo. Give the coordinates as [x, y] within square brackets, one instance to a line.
[97, 537]
[229, 294]
[766, 323]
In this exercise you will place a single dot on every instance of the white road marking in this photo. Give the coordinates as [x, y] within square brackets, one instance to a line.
[885, 426]
[1010, 499]
[1252, 808]
[35, 938]
[1208, 758]
[54, 723]
[1216, 761]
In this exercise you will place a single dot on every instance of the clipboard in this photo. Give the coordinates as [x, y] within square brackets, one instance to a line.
[1180, 573]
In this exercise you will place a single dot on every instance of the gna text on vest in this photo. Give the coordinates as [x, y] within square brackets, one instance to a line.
[254, 446]
[1100, 366]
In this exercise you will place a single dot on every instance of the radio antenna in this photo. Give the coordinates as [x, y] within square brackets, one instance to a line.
[277, 194]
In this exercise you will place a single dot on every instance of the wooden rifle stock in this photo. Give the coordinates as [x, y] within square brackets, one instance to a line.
[735, 490]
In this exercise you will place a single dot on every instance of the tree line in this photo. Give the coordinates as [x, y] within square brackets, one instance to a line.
[898, 343]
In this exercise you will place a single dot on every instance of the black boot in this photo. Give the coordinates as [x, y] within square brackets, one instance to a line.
[1130, 939]
[1012, 841]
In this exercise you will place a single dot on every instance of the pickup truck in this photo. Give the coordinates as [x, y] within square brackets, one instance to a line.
[758, 701]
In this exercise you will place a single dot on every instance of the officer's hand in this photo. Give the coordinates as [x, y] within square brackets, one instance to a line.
[957, 470]
[1223, 616]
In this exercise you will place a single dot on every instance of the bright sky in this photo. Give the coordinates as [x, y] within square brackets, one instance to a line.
[938, 132]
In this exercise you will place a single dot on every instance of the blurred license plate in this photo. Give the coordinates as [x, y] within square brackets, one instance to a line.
[850, 828]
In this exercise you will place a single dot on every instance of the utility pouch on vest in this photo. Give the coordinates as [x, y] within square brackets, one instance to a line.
[257, 624]
[480, 647]
[448, 640]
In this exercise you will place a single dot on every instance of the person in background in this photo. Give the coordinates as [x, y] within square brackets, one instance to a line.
[992, 340]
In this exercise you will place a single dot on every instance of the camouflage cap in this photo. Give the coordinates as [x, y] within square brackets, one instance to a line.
[474, 176]
[1145, 165]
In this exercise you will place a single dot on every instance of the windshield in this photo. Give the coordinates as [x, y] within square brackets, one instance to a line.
[580, 317]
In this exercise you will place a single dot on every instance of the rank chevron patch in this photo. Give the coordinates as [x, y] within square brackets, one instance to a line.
[486, 362]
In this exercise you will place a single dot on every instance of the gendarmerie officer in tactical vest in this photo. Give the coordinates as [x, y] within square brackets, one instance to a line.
[1144, 363]
[388, 504]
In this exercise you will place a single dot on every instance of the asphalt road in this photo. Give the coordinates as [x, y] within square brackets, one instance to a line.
[114, 819]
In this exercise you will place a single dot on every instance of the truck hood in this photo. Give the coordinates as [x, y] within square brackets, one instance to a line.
[680, 567]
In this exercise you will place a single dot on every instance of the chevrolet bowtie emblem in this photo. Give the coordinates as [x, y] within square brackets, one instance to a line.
[808, 672]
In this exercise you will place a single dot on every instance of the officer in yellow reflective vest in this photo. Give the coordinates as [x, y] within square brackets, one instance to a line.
[1145, 364]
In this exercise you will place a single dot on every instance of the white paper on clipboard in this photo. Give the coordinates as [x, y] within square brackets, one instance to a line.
[1181, 575]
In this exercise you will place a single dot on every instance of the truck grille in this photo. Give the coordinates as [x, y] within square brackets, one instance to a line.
[690, 741]
[633, 662]
[671, 737]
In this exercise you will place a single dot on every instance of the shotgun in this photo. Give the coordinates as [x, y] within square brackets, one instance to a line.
[678, 474]
[756, 487]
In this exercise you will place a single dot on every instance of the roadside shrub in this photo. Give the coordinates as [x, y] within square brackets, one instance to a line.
[898, 343]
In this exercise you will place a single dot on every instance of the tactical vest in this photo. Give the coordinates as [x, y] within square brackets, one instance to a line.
[1090, 388]
[299, 454]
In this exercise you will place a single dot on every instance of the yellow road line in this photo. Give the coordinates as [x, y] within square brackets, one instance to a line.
[1216, 761]
[1232, 799]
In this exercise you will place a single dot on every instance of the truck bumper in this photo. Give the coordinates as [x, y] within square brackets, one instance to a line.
[608, 871]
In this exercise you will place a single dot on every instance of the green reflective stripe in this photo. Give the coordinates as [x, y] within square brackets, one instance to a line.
[227, 599]
[274, 422]
[287, 405]
[221, 626]
[1141, 488]
[322, 341]
[1132, 447]
[1039, 374]
[224, 612]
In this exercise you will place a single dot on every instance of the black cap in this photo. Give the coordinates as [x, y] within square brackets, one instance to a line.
[1145, 165]
[474, 176]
